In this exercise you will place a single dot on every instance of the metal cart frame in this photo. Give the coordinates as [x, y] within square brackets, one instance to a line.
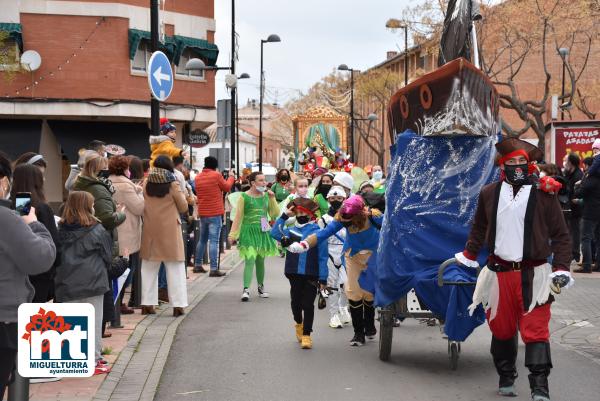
[409, 306]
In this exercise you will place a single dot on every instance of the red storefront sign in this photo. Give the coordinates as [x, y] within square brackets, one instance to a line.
[578, 140]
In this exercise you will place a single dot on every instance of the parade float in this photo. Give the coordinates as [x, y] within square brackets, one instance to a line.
[320, 140]
[444, 125]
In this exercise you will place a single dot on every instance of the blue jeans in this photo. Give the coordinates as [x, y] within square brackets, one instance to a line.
[162, 276]
[589, 229]
[210, 230]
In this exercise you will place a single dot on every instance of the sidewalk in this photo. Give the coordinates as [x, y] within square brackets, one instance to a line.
[124, 343]
[576, 317]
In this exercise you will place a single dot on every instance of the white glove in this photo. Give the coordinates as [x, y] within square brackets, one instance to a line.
[561, 273]
[463, 260]
[298, 247]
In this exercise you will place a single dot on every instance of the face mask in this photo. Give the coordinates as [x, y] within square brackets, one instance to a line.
[324, 189]
[378, 175]
[335, 205]
[261, 189]
[302, 191]
[347, 223]
[302, 219]
[285, 178]
[517, 174]
[103, 174]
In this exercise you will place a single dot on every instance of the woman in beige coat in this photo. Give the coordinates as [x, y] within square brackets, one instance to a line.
[130, 196]
[162, 240]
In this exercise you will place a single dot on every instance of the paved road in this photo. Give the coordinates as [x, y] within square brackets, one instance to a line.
[228, 350]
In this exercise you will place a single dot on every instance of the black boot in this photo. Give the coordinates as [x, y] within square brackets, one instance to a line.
[370, 330]
[537, 359]
[504, 353]
[358, 322]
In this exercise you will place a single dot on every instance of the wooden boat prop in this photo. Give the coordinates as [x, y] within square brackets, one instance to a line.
[455, 99]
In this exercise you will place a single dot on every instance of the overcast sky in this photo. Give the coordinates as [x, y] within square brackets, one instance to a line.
[316, 36]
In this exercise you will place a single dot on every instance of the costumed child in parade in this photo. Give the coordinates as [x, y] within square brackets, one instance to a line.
[321, 191]
[338, 303]
[307, 273]
[251, 229]
[523, 226]
[360, 249]
[345, 181]
[164, 144]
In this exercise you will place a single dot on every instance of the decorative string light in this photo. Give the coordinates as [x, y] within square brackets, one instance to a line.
[59, 67]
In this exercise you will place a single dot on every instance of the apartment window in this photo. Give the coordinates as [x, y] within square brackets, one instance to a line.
[180, 69]
[142, 56]
[9, 54]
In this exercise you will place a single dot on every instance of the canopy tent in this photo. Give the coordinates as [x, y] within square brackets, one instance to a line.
[14, 32]
[432, 193]
[175, 45]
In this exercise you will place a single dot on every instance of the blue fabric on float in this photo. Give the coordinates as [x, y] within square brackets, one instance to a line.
[432, 192]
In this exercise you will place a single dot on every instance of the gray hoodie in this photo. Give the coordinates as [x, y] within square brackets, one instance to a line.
[24, 250]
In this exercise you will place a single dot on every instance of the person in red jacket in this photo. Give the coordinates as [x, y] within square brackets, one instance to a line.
[210, 186]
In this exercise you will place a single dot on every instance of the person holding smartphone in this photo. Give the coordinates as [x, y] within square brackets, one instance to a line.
[26, 248]
[27, 191]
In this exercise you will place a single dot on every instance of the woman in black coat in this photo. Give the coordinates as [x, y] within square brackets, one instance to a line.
[29, 178]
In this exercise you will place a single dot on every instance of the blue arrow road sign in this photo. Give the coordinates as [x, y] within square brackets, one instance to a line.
[160, 76]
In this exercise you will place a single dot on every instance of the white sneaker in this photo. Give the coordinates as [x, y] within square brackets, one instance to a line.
[335, 322]
[261, 292]
[245, 295]
[345, 317]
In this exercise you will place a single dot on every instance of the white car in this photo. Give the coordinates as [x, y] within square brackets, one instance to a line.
[268, 170]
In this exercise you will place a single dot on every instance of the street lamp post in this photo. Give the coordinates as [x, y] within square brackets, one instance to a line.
[237, 130]
[396, 24]
[564, 52]
[196, 64]
[344, 67]
[405, 54]
[271, 39]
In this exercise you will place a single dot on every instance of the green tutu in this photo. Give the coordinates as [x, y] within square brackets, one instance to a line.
[254, 242]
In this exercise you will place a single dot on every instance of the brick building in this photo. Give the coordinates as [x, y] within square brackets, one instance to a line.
[529, 86]
[93, 83]
[277, 138]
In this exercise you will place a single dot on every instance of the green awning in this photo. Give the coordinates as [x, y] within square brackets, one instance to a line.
[205, 49]
[14, 32]
[137, 35]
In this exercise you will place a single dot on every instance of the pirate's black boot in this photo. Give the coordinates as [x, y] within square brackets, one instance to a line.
[537, 359]
[504, 353]
[370, 330]
[358, 322]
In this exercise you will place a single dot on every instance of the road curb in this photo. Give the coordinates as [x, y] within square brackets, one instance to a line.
[137, 371]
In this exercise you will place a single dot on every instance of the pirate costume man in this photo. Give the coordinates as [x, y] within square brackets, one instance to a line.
[523, 226]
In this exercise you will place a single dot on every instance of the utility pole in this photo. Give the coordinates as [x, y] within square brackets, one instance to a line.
[232, 125]
[352, 115]
[154, 104]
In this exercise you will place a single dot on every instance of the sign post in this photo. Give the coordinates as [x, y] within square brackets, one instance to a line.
[160, 76]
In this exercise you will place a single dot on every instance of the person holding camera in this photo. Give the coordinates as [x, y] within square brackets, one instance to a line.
[26, 248]
[211, 188]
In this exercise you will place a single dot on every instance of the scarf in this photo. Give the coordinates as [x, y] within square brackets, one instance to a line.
[159, 175]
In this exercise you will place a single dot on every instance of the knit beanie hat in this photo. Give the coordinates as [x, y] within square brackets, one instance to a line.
[336, 190]
[596, 144]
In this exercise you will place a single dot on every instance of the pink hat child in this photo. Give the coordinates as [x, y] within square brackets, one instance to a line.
[352, 206]
[596, 145]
